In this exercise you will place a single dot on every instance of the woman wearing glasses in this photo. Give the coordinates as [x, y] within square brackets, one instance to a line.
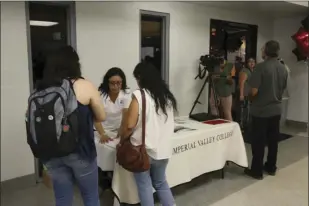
[116, 100]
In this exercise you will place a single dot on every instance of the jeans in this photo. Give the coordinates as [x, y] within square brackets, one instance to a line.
[154, 178]
[264, 131]
[65, 171]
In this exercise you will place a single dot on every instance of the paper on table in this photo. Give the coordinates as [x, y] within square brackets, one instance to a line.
[179, 120]
[178, 129]
[113, 143]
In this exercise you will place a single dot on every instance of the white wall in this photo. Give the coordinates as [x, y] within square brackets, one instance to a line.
[284, 28]
[108, 35]
[16, 158]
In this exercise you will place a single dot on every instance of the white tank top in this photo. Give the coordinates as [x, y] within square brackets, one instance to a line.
[159, 128]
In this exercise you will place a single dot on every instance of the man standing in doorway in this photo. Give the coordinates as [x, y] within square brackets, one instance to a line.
[268, 82]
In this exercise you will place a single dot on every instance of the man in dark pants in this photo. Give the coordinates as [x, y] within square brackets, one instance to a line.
[268, 82]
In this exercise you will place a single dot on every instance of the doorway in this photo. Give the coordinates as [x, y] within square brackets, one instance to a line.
[233, 40]
[50, 25]
[237, 42]
[154, 41]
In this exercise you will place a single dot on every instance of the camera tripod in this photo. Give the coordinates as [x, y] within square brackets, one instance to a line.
[205, 116]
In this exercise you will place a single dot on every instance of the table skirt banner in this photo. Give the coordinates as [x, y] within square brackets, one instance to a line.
[197, 152]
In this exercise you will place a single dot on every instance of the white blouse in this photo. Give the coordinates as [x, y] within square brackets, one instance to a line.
[114, 110]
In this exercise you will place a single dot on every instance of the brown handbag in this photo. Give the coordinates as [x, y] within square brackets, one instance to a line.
[134, 158]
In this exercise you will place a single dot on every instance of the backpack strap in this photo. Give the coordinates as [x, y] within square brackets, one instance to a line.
[72, 82]
[37, 103]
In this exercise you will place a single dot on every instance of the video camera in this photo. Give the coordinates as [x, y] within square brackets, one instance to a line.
[210, 62]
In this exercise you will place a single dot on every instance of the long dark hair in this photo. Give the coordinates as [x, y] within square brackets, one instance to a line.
[62, 63]
[115, 71]
[149, 78]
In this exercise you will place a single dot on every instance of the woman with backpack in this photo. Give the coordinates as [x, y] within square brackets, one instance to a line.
[59, 121]
[160, 105]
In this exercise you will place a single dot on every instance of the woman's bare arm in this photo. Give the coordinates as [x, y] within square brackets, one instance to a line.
[98, 126]
[104, 138]
[97, 105]
[88, 94]
[123, 122]
[132, 118]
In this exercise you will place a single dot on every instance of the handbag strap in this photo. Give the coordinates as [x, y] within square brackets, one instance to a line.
[143, 116]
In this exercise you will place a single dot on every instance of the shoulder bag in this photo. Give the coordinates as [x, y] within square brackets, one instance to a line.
[134, 158]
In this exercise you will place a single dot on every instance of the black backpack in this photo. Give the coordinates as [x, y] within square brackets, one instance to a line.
[52, 121]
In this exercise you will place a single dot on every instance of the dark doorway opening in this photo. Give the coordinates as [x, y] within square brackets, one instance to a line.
[50, 27]
[48, 31]
[151, 39]
[237, 42]
[224, 33]
[154, 40]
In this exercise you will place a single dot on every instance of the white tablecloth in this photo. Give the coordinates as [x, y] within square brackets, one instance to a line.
[195, 153]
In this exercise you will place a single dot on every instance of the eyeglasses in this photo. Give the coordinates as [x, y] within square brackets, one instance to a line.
[115, 83]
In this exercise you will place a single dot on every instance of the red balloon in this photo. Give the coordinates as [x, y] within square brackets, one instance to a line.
[298, 55]
[302, 40]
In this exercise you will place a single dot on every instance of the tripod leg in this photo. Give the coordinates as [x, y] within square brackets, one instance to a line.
[215, 96]
[198, 96]
[212, 102]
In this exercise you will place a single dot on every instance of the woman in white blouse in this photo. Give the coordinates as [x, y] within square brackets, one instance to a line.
[116, 100]
[160, 107]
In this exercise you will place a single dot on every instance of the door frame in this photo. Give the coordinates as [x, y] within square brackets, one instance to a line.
[165, 41]
[71, 22]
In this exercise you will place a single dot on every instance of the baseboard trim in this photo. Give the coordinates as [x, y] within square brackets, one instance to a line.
[18, 183]
[297, 124]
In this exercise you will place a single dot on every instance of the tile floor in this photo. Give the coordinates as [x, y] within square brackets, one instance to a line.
[288, 188]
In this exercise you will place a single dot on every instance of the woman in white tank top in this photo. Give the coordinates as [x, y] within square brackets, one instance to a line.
[160, 107]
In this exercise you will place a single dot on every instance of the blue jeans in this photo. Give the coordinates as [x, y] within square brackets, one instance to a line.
[154, 178]
[65, 171]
